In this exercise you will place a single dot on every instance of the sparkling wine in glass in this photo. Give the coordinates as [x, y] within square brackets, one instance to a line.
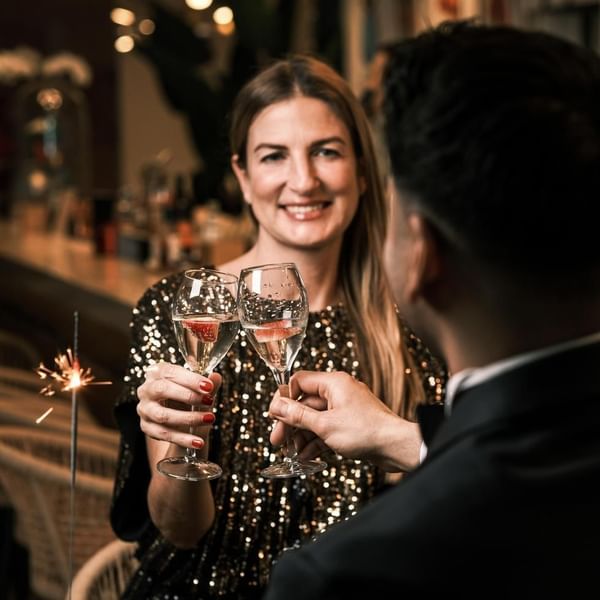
[273, 309]
[205, 318]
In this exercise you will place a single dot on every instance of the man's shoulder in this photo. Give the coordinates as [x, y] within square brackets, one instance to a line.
[380, 548]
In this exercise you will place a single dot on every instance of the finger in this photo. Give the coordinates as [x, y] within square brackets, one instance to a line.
[302, 438]
[163, 369]
[314, 449]
[154, 413]
[158, 390]
[279, 434]
[180, 438]
[313, 401]
[184, 377]
[295, 414]
[319, 384]
[294, 387]
[281, 431]
[216, 381]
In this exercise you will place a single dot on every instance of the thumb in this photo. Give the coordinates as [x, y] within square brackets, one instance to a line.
[216, 379]
[295, 414]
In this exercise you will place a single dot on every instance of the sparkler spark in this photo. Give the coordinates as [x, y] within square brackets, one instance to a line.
[68, 375]
[42, 417]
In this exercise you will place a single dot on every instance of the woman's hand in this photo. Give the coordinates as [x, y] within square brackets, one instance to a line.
[336, 411]
[182, 513]
[165, 399]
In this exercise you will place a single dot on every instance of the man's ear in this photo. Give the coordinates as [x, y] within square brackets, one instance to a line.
[242, 176]
[425, 268]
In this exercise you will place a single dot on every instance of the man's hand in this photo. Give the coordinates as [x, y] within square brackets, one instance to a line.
[336, 411]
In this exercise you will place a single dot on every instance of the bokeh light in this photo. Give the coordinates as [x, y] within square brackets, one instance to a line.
[199, 4]
[124, 43]
[49, 99]
[147, 26]
[122, 16]
[223, 15]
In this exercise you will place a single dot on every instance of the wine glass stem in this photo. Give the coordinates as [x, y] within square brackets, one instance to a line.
[191, 454]
[290, 453]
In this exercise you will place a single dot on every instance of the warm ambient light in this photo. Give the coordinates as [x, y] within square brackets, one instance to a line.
[122, 16]
[147, 26]
[198, 4]
[227, 29]
[38, 181]
[124, 43]
[49, 99]
[223, 15]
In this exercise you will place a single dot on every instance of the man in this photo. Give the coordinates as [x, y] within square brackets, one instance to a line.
[494, 138]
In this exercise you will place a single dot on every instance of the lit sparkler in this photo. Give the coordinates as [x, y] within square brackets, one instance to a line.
[68, 376]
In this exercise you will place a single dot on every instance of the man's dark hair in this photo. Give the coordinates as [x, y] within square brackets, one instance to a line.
[494, 133]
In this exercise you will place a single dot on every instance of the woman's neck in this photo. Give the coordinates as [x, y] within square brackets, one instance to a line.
[318, 267]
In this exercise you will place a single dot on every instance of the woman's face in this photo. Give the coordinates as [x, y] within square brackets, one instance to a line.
[301, 174]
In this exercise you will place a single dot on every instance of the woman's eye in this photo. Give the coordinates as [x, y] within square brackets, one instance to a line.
[271, 157]
[327, 152]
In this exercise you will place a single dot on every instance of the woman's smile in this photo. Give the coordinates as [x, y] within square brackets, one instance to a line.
[306, 211]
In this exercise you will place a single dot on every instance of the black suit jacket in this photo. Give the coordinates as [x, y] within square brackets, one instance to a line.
[506, 504]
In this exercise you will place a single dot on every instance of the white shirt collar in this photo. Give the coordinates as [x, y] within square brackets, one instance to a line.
[468, 378]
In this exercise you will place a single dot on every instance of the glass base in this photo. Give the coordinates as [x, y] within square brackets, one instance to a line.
[180, 467]
[293, 468]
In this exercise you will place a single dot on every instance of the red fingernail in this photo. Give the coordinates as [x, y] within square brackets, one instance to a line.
[198, 443]
[208, 418]
[207, 399]
[206, 385]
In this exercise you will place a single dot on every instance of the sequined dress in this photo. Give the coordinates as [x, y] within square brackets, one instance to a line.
[256, 519]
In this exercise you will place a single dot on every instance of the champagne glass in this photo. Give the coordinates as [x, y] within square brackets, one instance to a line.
[273, 309]
[205, 318]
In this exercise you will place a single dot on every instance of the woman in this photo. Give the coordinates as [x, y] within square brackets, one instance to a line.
[304, 158]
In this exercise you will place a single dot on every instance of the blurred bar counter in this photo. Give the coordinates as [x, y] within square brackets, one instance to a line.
[75, 263]
[45, 278]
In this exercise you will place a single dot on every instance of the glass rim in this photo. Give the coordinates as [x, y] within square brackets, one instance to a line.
[269, 266]
[223, 276]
